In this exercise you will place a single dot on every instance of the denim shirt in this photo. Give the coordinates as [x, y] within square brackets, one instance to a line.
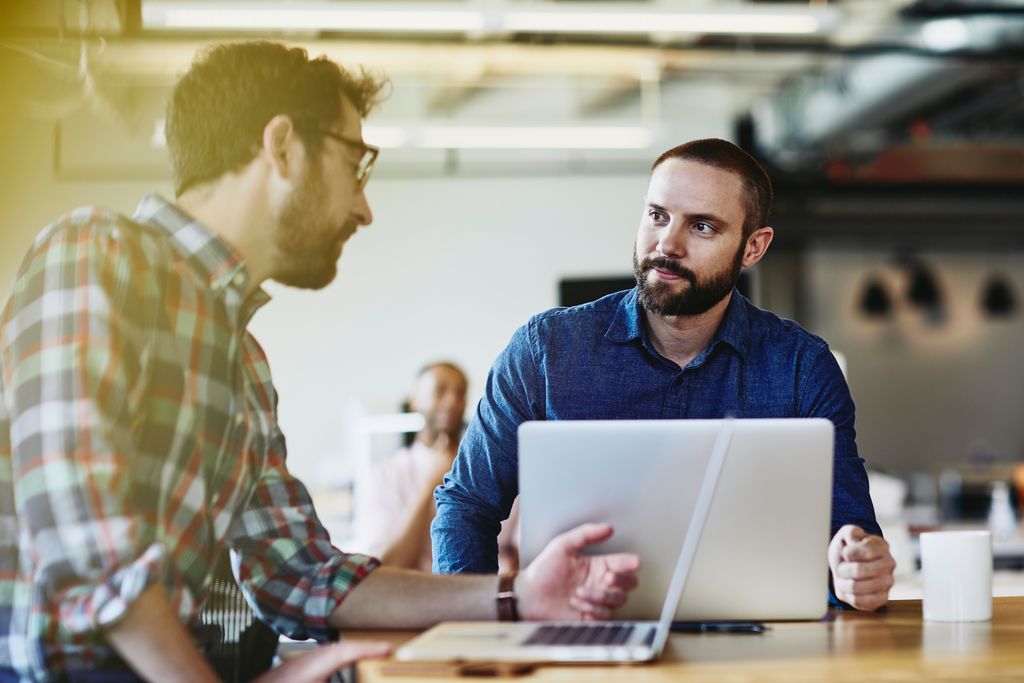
[596, 362]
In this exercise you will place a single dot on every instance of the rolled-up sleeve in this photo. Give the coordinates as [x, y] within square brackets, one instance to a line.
[283, 557]
[478, 493]
[74, 369]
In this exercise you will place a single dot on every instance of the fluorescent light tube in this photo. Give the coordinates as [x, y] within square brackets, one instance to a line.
[512, 137]
[461, 17]
[307, 16]
[662, 22]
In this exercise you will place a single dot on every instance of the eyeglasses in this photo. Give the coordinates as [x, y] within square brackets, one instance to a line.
[368, 155]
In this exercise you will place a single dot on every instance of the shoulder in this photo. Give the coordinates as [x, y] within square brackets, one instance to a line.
[96, 240]
[596, 314]
[95, 255]
[90, 225]
[774, 333]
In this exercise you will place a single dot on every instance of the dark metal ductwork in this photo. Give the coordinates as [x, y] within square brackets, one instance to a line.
[938, 97]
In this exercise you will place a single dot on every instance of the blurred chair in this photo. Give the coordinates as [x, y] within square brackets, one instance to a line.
[236, 643]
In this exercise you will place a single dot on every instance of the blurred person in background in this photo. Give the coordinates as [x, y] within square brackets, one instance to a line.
[395, 506]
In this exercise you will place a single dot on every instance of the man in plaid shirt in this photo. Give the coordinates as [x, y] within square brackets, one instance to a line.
[138, 426]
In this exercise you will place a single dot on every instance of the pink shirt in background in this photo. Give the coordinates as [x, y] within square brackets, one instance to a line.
[394, 487]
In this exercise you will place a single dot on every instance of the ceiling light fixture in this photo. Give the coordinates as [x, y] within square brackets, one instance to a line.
[997, 299]
[592, 18]
[491, 137]
[874, 300]
[308, 16]
[629, 22]
[511, 137]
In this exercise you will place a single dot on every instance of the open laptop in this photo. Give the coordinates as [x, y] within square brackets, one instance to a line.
[611, 641]
[763, 553]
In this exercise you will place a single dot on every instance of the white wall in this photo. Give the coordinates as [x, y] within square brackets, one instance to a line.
[449, 269]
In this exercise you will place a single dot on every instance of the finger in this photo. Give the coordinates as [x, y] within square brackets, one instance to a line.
[846, 534]
[589, 609]
[621, 563]
[869, 602]
[611, 598]
[575, 540]
[626, 582]
[867, 549]
[883, 566]
[318, 664]
[853, 587]
[850, 533]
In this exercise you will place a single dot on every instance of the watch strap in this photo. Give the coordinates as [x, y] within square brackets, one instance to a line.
[506, 598]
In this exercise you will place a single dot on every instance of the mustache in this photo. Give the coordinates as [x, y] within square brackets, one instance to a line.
[669, 266]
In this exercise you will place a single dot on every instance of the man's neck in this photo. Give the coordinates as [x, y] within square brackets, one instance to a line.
[224, 207]
[682, 338]
[438, 440]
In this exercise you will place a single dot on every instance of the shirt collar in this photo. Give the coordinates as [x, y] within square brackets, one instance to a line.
[627, 323]
[214, 259]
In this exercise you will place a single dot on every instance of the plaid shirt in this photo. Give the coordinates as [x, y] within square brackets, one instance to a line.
[138, 437]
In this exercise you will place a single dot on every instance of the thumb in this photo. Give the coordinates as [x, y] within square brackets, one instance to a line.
[575, 540]
[318, 664]
[838, 542]
[850, 533]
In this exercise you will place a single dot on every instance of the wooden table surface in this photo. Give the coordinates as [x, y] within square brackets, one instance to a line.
[894, 645]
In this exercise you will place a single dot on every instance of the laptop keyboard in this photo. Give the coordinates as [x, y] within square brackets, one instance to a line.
[583, 634]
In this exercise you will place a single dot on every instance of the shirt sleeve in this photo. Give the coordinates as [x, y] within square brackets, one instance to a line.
[73, 347]
[283, 558]
[826, 394]
[478, 492]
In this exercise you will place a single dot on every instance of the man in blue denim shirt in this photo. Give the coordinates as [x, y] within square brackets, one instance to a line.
[682, 344]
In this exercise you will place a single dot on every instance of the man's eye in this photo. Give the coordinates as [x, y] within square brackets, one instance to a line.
[703, 228]
[656, 215]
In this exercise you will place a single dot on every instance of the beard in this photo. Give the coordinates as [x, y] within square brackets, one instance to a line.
[697, 298]
[308, 245]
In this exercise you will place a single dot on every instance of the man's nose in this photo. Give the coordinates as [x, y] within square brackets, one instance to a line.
[672, 241]
[361, 210]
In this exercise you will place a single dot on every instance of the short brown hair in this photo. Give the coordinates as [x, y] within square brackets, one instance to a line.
[725, 155]
[219, 108]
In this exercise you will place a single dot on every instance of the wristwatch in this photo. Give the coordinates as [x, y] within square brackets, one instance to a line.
[506, 598]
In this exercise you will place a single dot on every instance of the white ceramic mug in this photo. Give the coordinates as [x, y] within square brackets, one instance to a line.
[957, 571]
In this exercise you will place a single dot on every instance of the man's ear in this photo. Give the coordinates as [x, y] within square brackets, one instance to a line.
[281, 146]
[757, 245]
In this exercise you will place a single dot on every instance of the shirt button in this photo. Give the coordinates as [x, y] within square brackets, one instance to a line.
[238, 279]
[239, 418]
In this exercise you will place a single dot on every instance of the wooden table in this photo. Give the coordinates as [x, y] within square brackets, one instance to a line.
[895, 645]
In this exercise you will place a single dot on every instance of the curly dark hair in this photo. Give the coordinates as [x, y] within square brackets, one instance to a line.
[725, 155]
[219, 108]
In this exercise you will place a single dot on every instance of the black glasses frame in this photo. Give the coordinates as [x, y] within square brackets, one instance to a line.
[367, 158]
